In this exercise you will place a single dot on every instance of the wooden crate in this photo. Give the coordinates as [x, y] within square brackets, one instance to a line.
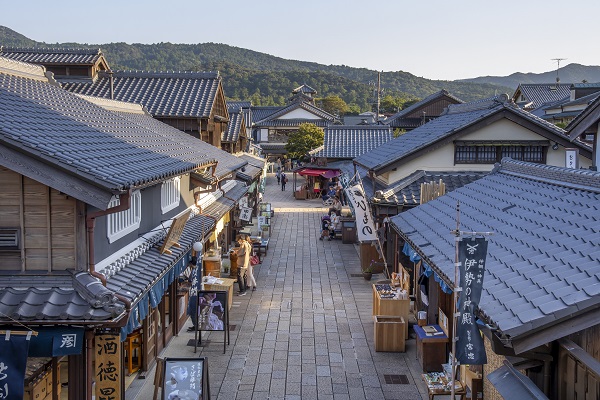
[389, 333]
[395, 307]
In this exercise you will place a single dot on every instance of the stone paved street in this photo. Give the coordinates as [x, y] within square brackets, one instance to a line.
[307, 332]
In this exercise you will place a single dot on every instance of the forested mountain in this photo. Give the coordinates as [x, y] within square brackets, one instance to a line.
[572, 73]
[266, 79]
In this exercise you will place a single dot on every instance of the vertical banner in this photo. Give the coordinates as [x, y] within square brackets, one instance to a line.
[471, 257]
[108, 367]
[13, 361]
[364, 221]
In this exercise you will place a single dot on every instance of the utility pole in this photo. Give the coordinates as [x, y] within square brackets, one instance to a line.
[378, 95]
[558, 60]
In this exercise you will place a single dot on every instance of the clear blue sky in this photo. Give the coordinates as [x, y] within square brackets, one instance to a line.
[433, 39]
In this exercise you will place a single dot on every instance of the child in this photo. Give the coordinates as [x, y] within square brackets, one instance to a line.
[325, 222]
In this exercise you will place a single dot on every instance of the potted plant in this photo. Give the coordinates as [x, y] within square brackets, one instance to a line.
[367, 273]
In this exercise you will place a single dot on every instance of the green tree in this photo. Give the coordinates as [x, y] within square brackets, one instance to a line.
[399, 132]
[334, 105]
[307, 137]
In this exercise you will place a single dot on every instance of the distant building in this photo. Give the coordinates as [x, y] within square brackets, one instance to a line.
[422, 112]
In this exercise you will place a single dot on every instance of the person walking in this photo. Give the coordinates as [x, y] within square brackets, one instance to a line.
[278, 175]
[251, 280]
[243, 255]
[283, 181]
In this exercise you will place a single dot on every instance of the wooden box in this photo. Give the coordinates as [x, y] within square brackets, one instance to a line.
[212, 266]
[394, 307]
[389, 333]
[227, 286]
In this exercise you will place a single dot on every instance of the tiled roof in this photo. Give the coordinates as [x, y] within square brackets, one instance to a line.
[417, 105]
[262, 112]
[543, 262]
[537, 94]
[407, 192]
[52, 56]
[588, 85]
[304, 89]
[234, 126]
[456, 118]
[319, 113]
[164, 94]
[89, 142]
[588, 117]
[254, 167]
[292, 122]
[246, 108]
[352, 141]
[272, 146]
[67, 297]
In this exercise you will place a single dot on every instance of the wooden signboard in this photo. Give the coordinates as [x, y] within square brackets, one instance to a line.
[108, 367]
[175, 232]
[182, 378]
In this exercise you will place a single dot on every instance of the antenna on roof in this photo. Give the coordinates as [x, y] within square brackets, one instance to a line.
[558, 60]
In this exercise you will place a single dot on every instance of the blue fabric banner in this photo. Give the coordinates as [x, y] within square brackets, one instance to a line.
[472, 253]
[13, 361]
[56, 341]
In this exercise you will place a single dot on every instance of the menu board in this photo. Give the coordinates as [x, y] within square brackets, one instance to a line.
[185, 379]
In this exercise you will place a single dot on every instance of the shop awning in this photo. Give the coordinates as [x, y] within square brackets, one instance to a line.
[512, 384]
[325, 173]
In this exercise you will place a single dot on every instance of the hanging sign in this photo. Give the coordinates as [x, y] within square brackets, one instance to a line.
[108, 367]
[246, 214]
[243, 202]
[471, 256]
[13, 361]
[175, 232]
[366, 228]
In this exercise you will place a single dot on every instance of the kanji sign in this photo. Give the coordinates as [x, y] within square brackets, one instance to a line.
[471, 256]
[108, 367]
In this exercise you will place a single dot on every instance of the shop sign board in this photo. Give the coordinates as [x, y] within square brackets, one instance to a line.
[245, 213]
[184, 378]
[175, 232]
[108, 367]
[472, 253]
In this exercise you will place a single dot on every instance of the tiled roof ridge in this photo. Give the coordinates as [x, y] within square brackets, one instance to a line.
[162, 74]
[586, 85]
[581, 179]
[22, 69]
[545, 84]
[363, 127]
[49, 50]
[305, 106]
[483, 104]
[114, 105]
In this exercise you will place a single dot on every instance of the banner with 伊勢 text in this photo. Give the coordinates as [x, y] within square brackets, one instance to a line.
[472, 253]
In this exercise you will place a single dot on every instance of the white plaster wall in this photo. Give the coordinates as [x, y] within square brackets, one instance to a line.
[299, 113]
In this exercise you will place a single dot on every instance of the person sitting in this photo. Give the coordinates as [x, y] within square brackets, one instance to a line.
[334, 226]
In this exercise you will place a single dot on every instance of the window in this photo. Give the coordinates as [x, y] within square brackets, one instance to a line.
[9, 239]
[493, 153]
[124, 222]
[170, 194]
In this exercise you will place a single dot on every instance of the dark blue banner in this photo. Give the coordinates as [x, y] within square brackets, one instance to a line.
[56, 341]
[472, 253]
[13, 361]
